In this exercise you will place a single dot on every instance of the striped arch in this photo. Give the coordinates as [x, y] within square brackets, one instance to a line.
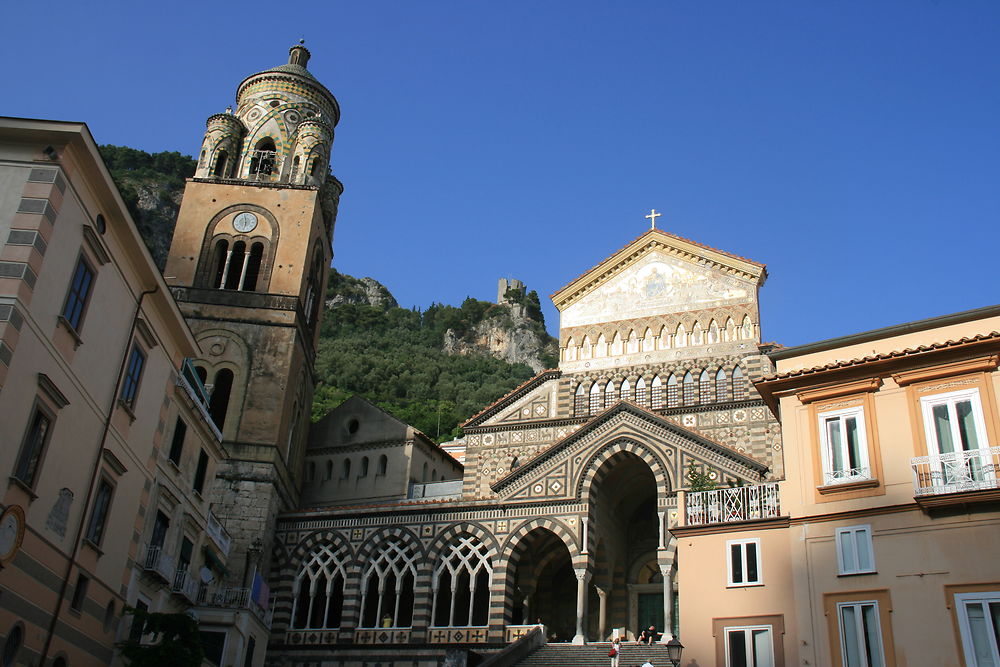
[319, 537]
[591, 471]
[444, 538]
[514, 544]
[369, 546]
[503, 594]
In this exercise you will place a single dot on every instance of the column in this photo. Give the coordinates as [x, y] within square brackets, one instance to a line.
[582, 579]
[602, 615]
[668, 602]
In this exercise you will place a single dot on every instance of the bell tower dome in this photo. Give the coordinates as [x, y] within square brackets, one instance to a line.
[248, 267]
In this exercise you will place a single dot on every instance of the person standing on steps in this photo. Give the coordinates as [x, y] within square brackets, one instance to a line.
[615, 652]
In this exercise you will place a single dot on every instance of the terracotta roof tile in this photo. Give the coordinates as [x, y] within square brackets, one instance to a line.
[895, 354]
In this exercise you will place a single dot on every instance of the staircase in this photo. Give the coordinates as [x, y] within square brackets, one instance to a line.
[596, 655]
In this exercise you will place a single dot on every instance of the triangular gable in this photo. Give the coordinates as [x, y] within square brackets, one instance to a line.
[518, 398]
[554, 474]
[659, 272]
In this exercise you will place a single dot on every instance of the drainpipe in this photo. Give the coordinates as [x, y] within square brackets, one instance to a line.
[95, 470]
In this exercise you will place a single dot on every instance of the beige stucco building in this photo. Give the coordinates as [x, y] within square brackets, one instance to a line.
[102, 432]
[883, 549]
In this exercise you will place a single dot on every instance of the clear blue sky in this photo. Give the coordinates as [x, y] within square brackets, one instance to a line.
[850, 145]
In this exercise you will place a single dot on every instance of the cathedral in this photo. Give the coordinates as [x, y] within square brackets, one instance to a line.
[643, 482]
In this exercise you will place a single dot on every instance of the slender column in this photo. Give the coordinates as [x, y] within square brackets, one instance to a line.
[663, 517]
[582, 579]
[668, 603]
[526, 609]
[602, 615]
[225, 270]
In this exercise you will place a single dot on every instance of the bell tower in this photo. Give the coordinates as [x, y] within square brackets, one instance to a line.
[248, 267]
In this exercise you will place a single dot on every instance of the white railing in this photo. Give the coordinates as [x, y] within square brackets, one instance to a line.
[218, 533]
[846, 476]
[160, 562]
[972, 470]
[186, 585]
[226, 597]
[197, 396]
[741, 503]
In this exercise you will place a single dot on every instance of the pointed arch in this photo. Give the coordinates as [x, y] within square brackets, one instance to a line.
[689, 389]
[739, 385]
[610, 395]
[747, 328]
[318, 588]
[729, 333]
[596, 396]
[586, 349]
[656, 393]
[680, 336]
[641, 394]
[706, 387]
[626, 390]
[601, 349]
[713, 332]
[461, 583]
[617, 347]
[648, 340]
[388, 579]
[697, 337]
[580, 401]
[593, 470]
[722, 387]
[569, 354]
[633, 342]
[673, 400]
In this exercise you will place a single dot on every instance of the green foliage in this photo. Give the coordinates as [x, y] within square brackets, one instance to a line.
[175, 643]
[168, 166]
[698, 480]
[394, 358]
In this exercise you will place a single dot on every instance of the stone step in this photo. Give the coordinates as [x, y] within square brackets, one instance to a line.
[596, 655]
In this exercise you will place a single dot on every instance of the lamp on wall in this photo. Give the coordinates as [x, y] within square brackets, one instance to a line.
[674, 650]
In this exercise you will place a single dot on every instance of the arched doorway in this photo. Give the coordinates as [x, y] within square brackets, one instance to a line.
[544, 584]
[627, 587]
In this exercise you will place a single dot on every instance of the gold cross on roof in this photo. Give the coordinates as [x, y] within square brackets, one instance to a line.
[653, 215]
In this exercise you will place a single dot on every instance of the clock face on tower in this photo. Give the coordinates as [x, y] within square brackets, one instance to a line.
[245, 222]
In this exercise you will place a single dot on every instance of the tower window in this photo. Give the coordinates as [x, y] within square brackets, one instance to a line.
[263, 160]
[219, 403]
[220, 164]
[236, 266]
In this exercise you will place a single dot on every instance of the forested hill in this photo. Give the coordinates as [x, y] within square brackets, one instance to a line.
[151, 185]
[432, 369]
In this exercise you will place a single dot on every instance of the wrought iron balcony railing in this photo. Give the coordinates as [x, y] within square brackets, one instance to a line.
[160, 563]
[741, 503]
[956, 472]
[226, 597]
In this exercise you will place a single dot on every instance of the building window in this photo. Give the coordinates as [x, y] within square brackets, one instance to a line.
[79, 592]
[35, 439]
[956, 438]
[319, 590]
[672, 400]
[99, 516]
[979, 625]
[79, 294]
[739, 385]
[383, 464]
[595, 398]
[706, 388]
[387, 585]
[133, 373]
[750, 646]
[251, 646]
[689, 389]
[218, 404]
[860, 634]
[744, 562]
[200, 472]
[656, 393]
[854, 550]
[177, 442]
[641, 393]
[345, 469]
[461, 585]
[845, 447]
[364, 467]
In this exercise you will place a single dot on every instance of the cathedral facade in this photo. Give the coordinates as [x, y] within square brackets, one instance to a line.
[562, 512]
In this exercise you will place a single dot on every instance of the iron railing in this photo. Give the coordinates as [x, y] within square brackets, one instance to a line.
[955, 472]
[741, 503]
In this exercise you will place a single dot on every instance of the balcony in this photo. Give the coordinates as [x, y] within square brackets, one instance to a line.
[160, 563]
[185, 585]
[218, 533]
[225, 597]
[189, 381]
[732, 505]
[957, 478]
